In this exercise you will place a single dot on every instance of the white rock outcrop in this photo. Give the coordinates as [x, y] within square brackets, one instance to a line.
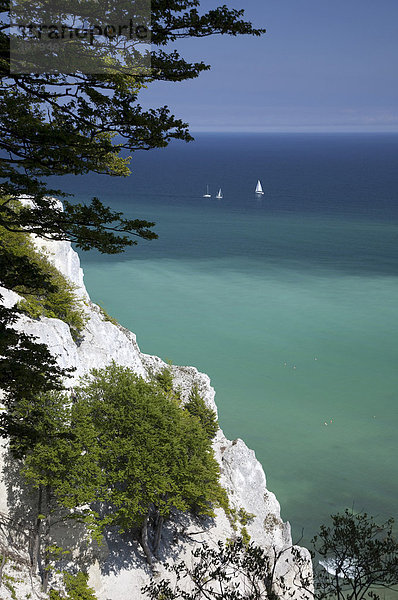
[118, 570]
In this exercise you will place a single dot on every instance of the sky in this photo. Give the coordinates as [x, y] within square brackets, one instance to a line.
[323, 65]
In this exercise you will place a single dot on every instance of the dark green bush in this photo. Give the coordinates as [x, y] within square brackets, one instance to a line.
[165, 379]
[76, 587]
[197, 407]
[57, 297]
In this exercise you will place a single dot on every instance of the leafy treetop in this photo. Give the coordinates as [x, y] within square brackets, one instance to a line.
[196, 406]
[122, 441]
[54, 124]
[360, 556]
[76, 123]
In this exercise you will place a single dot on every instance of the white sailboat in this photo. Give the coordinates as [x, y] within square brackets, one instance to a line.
[219, 195]
[207, 194]
[259, 188]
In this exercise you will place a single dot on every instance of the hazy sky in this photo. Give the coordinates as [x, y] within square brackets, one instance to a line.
[323, 65]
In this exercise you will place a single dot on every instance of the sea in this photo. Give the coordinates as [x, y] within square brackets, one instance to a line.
[288, 301]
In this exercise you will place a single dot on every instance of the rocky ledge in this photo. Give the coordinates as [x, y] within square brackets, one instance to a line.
[118, 565]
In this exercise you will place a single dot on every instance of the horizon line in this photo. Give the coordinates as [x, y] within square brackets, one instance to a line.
[295, 130]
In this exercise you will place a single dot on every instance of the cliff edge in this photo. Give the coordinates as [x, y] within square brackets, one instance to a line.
[117, 567]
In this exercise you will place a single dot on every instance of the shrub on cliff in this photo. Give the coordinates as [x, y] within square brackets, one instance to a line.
[76, 587]
[231, 571]
[126, 443]
[165, 379]
[354, 558]
[359, 556]
[196, 406]
[56, 296]
[157, 458]
[78, 123]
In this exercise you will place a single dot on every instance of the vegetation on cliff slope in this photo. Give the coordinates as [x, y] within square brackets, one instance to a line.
[359, 552]
[124, 447]
[56, 298]
[75, 123]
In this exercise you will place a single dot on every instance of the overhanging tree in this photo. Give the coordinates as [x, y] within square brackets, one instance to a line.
[55, 124]
[359, 556]
[57, 449]
[196, 406]
[230, 571]
[126, 445]
[355, 558]
[78, 123]
[156, 457]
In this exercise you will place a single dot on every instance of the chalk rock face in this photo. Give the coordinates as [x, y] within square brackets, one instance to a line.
[118, 569]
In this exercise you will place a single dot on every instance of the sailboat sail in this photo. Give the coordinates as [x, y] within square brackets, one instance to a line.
[259, 188]
[219, 195]
[207, 194]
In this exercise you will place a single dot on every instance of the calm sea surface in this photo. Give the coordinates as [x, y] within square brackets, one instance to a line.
[289, 303]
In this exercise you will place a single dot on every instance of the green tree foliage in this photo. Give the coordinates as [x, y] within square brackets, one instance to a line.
[27, 369]
[197, 407]
[41, 420]
[157, 457]
[232, 571]
[125, 442]
[64, 455]
[76, 587]
[77, 123]
[56, 298]
[60, 123]
[58, 449]
[165, 379]
[361, 557]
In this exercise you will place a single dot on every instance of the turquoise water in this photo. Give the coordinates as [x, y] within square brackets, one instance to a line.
[288, 303]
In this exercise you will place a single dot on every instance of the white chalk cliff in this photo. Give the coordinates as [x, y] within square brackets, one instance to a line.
[118, 569]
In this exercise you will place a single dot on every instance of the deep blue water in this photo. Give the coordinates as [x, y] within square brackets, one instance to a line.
[289, 302]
